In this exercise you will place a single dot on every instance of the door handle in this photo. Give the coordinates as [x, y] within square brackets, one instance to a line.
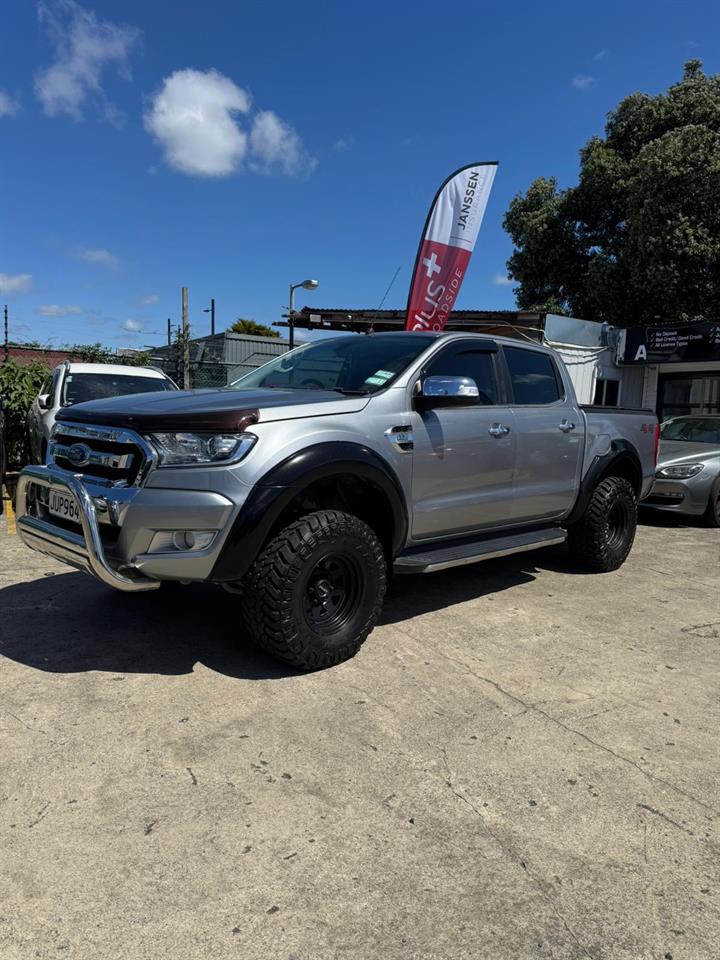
[566, 426]
[498, 430]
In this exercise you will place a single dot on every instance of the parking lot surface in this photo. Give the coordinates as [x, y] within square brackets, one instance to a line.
[522, 761]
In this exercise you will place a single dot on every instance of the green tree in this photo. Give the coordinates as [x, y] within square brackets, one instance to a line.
[252, 329]
[19, 385]
[639, 236]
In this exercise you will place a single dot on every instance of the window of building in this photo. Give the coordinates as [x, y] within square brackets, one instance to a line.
[607, 393]
[533, 375]
[688, 394]
[463, 362]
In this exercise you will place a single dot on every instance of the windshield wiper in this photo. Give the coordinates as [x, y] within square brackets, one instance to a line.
[351, 393]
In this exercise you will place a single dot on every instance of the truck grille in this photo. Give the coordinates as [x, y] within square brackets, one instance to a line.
[109, 455]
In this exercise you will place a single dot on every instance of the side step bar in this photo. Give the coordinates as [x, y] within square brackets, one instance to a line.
[440, 556]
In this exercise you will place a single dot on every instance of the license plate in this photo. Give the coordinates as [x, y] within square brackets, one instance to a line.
[63, 505]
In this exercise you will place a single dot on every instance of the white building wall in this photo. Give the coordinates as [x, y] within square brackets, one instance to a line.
[582, 365]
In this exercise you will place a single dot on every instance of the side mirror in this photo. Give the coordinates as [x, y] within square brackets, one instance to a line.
[447, 391]
[44, 401]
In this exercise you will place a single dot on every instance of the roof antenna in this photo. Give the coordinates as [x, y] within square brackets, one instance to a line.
[371, 329]
[389, 288]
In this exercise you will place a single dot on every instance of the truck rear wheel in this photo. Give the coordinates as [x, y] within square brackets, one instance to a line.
[315, 592]
[604, 535]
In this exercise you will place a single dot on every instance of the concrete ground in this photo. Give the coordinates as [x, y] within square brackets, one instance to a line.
[523, 761]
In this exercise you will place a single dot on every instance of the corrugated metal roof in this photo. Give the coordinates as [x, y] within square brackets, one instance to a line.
[497, 322]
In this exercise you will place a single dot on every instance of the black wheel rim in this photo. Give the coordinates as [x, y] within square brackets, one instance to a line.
[617, 523]
[332, 593]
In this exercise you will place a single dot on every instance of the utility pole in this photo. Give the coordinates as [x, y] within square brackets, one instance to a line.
[306, 285]
[169, 331]
[211, 311]
[7, 352]
[291, 317]
[185, 340]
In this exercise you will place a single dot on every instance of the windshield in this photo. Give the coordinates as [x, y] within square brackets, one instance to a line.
[352, 364]
[694, 429]
[79, 387]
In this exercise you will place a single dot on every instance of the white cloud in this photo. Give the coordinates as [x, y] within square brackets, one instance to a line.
[104, 257]
[148, 300]
[192, 118]
[502, 280]
[84, 47]
[583, 81]
[343, 144]
[8, 106]
[601, 54]
[19, 283]
[59, 310]
[132, 326]
[275, 145]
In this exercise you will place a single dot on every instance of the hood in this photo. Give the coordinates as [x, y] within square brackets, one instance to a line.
[679, 451]
[209, 410]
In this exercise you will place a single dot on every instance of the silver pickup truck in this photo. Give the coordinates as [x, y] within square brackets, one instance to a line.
[307, 482]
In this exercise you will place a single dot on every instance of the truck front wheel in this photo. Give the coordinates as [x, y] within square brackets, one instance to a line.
[316, 590]
[604, 535]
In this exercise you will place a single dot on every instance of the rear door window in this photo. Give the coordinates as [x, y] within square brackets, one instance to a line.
[533, 376]
[464, 361]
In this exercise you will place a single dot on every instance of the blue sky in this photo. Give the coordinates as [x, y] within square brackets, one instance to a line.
[236, 147]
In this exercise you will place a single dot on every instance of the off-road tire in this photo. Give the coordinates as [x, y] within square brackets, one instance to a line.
[285, 595]
[604, 535]
[711, 517]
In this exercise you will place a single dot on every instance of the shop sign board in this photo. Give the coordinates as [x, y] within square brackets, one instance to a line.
[683, 343]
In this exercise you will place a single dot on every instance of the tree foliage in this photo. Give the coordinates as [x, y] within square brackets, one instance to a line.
[252, 329]
[639, 236]
[19, 385]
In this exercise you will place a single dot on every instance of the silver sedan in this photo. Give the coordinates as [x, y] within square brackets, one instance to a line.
[687, 477]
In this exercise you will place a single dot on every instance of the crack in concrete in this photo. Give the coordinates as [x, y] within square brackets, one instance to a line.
[583, 736]
[40, 815]
[510, 853]
[667, 819]
[30, 728]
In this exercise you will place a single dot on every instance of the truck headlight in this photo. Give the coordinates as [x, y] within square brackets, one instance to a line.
[682, 471]
[200, 449]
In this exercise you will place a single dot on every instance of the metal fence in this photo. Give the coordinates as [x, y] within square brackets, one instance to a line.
[218, 361]
[203, 373]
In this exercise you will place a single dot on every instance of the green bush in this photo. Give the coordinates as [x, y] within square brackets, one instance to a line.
[18, 388]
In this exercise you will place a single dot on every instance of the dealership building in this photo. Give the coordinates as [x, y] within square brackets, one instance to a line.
[673, 369]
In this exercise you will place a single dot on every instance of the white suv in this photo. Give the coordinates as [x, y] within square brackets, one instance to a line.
[72, 383]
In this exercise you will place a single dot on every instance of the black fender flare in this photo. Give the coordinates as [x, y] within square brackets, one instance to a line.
[620, 452]
[285, 481]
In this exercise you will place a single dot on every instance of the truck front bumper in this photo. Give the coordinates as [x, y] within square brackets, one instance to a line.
[113, 539]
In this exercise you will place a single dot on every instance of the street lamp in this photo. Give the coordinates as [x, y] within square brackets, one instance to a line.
[306, 285]
[211, 311]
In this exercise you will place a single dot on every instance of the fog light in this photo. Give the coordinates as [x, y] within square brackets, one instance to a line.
[181, 541]
[184, 540]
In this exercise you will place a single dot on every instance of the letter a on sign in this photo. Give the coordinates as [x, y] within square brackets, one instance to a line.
[447, 244]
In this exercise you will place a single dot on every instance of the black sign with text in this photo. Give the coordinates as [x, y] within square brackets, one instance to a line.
[683, 343]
